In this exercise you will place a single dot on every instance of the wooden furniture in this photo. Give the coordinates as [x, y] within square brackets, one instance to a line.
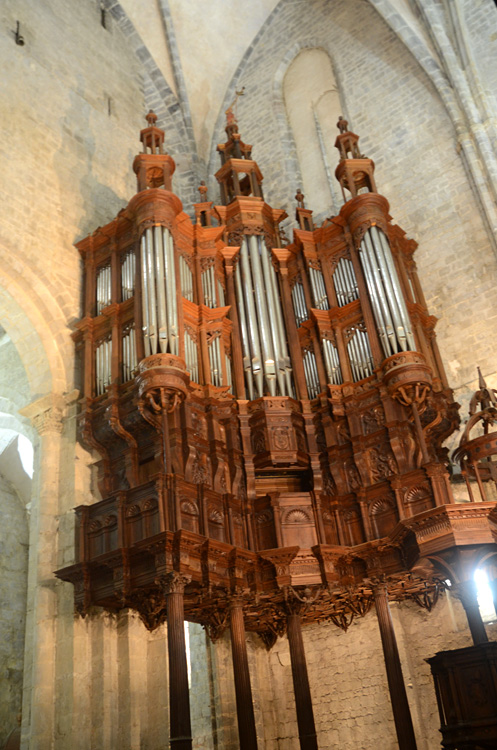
[466, 687]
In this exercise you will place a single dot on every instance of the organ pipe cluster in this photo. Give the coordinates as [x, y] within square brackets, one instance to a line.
[166, 282]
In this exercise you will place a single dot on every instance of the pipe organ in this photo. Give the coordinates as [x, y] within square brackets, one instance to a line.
[269, 415]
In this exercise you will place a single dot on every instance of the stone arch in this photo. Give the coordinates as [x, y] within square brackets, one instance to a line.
[32, 319]
[316, 134]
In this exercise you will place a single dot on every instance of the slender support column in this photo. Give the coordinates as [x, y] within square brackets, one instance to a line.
[180, 730]
[303, 701]
[396, 686]
[243, 691]
[466, 590]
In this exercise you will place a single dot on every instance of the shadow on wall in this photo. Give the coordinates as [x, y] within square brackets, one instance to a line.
[83, 147]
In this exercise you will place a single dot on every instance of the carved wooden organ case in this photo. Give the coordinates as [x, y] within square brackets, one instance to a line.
[266, 413]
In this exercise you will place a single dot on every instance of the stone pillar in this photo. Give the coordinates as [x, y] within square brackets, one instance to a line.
[244, 705]
[303, 701]
[466, 591]
[180, 731]
[396, 686]
[38, 719]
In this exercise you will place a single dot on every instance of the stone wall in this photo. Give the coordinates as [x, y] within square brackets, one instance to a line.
[13, 584]
[392, 104]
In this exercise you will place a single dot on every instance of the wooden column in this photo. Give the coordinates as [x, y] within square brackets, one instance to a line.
[466, 590]
[303, 702]
[244, 706]
[396, 686]
[180, 731]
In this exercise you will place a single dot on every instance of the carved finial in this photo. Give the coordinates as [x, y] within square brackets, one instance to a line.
[299, 197]
[485, 396]
[342, 124]
[151, 118]
[202, 189]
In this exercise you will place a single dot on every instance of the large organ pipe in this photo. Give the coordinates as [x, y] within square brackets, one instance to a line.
[248, 296]
[275, 330]
[378, 301]
[387, 254]
[145, 296]
[375, 248]
[283, 346]
[172, 311]
[161, 291]
[152, 292]
[261, 301]
[220, 292]
[245, 333]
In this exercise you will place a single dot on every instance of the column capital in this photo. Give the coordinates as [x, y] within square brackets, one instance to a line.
[174, 582]
[47, 413]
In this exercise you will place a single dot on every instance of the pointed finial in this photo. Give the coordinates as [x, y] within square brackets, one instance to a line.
[202, 189]
[342, 124]
[151, 118]
[484, 396]
[299, 197]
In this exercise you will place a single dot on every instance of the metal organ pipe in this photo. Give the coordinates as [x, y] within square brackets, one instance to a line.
[160, 316]
[378, 298]
[273, 312]
[387, 254]
[245, 333]
[186, 279]
[332, 362]
[283, 347]
[261, 300]
[191, 356]
[318, 289]
[128, 276]
[103, 358]
[265, 351]
[161, 291]
[104, 293]
[345, 282]
[388, 302]
[248, 296]
[220, 292]
[299, 306]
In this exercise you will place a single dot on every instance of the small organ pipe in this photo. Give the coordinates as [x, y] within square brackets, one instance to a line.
[228, 371]
[220, 292]
[339, 287]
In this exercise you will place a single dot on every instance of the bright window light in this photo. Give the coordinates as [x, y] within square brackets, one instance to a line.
[188, 657]
[25, 448]
[484, 593]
